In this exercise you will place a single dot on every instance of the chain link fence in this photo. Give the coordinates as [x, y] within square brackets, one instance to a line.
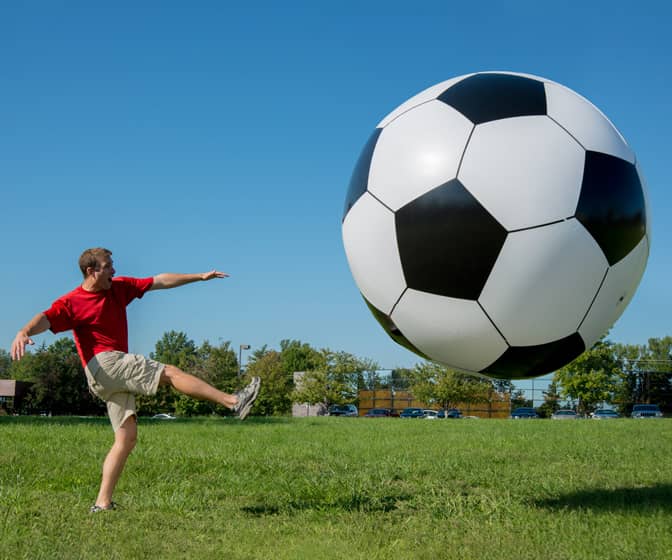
[391, 389]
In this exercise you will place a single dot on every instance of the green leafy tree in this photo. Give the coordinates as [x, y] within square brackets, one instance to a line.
[647, 373]
[316, 388]
[444, 387]
[276, 370]
[422, 383]
[5, 364]
[176, 349]
[276, 386]
[218, 365]
[23, 369]
[631, 358]
[335, 380]
[659, 372]
[298, 356]
[591, 378]
[348, 371]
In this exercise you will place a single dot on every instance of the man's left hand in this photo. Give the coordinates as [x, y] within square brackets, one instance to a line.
[213, 274]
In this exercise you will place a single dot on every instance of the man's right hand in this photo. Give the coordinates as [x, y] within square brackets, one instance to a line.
[19, 345]
[36, 325]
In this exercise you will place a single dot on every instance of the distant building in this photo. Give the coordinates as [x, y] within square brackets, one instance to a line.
[12, 393]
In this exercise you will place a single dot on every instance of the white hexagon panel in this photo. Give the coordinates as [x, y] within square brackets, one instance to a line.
[528, 311]
[468, 342]
[369, 239]
[417, 152]
[615, 294]
[525, 171]
[497, 223]
[585, 122]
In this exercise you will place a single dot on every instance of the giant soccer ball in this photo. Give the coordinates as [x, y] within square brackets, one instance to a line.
[497, 223]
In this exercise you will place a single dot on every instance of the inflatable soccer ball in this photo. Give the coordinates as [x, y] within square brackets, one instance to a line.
[497, 223]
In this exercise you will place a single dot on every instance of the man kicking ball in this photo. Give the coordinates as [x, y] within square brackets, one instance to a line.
[96, 313]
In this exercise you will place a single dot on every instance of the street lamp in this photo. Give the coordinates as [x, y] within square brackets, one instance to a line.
[240, 357]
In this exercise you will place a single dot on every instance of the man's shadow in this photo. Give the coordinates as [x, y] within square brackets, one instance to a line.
[641, 499]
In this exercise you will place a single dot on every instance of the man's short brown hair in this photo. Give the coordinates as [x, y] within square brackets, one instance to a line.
[91, 258]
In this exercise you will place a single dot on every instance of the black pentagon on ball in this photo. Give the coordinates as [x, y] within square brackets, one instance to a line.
[392, 330]
[448, 243]
[360, 175]
[611, 205]
[521, 362]
[488, 97]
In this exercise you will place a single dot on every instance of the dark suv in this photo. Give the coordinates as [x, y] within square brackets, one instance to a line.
[524, 413]
[646, 411]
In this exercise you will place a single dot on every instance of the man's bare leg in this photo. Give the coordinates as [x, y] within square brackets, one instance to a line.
[124, 441]
[195, 387]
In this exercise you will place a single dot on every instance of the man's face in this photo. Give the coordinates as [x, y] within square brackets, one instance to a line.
[103, 274]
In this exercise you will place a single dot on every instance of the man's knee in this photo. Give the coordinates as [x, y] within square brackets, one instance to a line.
[127, 434]
[170, 374]
[167, 375]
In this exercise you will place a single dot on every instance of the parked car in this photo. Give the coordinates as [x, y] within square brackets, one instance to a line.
[379, 413]
[450, 413]
[343, 410]
[605, 414]
[564, 414]
[524, 413]
[163, 416]
[412, 412]
[430, 414]
[646, 411]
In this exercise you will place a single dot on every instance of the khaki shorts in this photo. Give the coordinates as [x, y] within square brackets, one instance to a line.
[116, 377]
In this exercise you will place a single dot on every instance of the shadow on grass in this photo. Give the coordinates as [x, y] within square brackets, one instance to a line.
[626, 499]
[357, 503]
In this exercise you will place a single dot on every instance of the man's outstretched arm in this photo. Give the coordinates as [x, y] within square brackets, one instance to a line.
[36, 325]
[171, 280]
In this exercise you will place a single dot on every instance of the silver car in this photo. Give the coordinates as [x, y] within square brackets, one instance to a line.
[343, 410]
[564, 414]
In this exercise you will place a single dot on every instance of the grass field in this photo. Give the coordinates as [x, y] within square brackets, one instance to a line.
[341, 488]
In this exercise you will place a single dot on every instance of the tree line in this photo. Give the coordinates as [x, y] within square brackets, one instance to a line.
[614, 373]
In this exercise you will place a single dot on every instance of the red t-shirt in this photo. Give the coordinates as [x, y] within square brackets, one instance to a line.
[98, 319]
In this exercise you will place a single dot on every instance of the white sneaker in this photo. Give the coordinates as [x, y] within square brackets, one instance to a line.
[246, 398]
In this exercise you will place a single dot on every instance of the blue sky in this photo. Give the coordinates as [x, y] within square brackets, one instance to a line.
[186, 136]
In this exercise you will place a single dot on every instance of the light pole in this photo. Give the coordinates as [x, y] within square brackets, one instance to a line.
[240, 357]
